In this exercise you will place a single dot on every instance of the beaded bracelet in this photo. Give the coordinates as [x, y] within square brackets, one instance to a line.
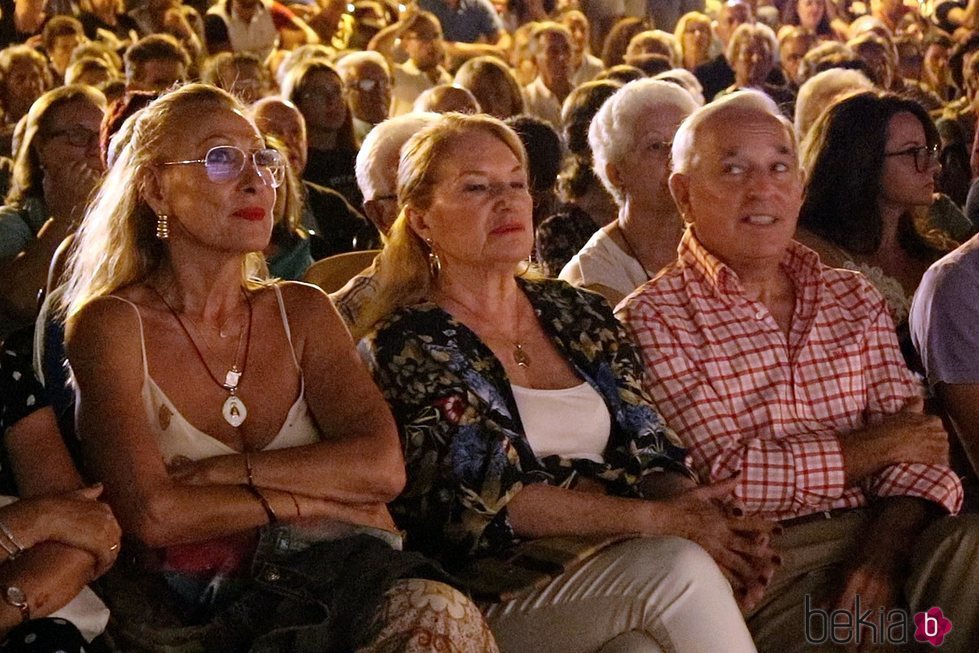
[270, 513]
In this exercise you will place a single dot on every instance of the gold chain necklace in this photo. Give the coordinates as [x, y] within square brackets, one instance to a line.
[518, 353]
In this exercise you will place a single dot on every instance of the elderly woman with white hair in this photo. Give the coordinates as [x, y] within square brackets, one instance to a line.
[751, 53]
[631, 137]
[823, 89]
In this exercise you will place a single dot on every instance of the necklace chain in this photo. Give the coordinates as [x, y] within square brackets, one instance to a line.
[630, 250]
[518, 353]
[233, 377]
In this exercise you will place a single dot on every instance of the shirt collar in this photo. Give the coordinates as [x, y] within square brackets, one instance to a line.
[801, 263]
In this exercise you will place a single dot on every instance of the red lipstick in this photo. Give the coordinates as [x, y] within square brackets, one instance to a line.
[251, 213]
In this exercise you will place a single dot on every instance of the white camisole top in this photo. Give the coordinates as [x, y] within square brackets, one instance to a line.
[568, 422]
[177, 437]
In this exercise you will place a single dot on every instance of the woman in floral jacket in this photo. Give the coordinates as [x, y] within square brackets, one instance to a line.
[529, 441]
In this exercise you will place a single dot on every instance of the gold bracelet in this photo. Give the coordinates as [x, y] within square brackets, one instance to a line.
[269, 512]
[249, 471]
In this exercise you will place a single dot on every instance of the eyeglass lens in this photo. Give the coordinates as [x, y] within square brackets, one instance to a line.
[225, 163]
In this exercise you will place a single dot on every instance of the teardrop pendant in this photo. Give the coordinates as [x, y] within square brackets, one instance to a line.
[234, 410]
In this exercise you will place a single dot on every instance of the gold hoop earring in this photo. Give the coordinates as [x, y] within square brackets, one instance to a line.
[163, 226]
[434, 262]
[528, 263]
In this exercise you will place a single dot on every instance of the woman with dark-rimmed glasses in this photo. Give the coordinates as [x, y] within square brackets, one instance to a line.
[871, 161]
[56, 170]
[241, 443]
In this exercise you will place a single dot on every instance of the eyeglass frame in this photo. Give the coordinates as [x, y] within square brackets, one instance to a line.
[932, 153]
[92, 136]
[275, 183]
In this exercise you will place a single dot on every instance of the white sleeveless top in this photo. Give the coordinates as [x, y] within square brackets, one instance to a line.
[569, 422]
[601, 261]
[176, 436]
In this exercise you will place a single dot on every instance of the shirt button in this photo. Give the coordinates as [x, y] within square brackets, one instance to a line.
[760, 315]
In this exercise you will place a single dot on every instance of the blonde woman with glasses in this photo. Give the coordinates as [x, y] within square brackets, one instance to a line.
[241, 443]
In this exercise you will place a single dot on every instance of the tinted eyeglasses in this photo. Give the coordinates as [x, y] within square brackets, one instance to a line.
[923, 155]
[226, 163]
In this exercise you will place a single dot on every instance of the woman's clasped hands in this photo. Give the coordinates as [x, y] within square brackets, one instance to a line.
[740, 544]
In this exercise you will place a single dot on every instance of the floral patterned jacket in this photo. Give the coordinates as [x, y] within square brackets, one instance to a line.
[464, 444]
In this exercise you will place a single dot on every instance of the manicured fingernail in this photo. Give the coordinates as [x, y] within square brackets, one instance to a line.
[778, 530]
[777, 559]
[737, 512]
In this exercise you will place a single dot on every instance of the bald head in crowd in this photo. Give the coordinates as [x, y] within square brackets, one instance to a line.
[281, 118]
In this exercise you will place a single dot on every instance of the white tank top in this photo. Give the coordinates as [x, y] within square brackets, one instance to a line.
[569, 422]
[176, 436]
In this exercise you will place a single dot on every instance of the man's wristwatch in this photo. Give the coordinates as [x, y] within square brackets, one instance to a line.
[16, 597]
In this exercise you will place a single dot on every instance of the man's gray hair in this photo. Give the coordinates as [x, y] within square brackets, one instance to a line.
[383, 141]
[612, 133]
[747, 100]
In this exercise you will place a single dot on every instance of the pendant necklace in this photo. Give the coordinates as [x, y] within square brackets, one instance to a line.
[520, 357]
[518, 354]
[631, 251]
[233, 409]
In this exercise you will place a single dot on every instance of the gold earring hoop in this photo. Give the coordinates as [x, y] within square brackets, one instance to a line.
[527, 265]
[434, 262]
[163, 226]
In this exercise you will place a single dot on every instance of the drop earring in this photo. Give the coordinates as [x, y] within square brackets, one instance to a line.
[163, 226]
[434, 262]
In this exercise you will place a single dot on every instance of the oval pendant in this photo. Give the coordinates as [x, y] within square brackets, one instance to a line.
[234, 411]
[520, 357]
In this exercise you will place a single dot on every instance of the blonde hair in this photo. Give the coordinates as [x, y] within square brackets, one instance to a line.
[403, 276]
[116, 244]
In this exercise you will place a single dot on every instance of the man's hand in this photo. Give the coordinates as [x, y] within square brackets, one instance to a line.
[878, 590]
[907, 437]
[879, 568]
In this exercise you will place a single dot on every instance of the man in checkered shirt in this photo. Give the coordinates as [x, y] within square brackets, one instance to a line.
[776, 368]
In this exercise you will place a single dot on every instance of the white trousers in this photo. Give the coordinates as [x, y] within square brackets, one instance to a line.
[645, 595]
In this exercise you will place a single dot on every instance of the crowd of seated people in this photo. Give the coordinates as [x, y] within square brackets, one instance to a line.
[489, 325]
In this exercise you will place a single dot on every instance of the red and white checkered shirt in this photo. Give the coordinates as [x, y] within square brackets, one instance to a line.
[743, 397]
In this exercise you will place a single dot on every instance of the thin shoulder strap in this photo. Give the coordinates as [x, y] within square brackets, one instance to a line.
[142, 339]
[285, 324]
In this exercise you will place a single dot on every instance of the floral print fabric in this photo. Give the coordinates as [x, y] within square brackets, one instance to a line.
[464, 443]
[423, 616]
